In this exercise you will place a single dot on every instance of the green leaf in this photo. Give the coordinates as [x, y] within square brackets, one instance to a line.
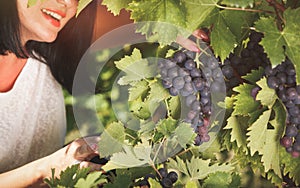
[221, 34]
[92, 180]
[192, 184]
[135, 68]
[254, 75]
[154, 183]
[129, 157]
[291, 166]
[166, 126]
[157, 93]
[140, 108]
[257, 133]
[244, 102]
[71, 175]
[158, 10]
[120, 180]
[238, 131]
[277, 43]
[115, 6]
[179, 165]
[184, 134]
[137, 90]
[273, 41]
[174, 106]
[81, 5]
[218, 180]
[266, 95]
[198, 168]
[197, 11]
[238, 3]
[158, 18]
[112, 139]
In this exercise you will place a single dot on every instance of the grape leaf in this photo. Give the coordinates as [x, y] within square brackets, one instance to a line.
[140, 108]
[238, 131]
[266, 95]
[129, 157]
[278, 43]
[244, 102]
[222, 34]
[174, 106]
[179, 165]
[238, 3]
[135, 68]
[218, 180]
[158, 16]
[92, 180]
[120, 180]
[198, 168]
[137, 90]
[267, 139]
[81, 5]
[197, 11]
[274, 178]
[115, 6]
[70, 176]
[257, 133]
[112, 139]
[154, 183]
[184, 134]
[254, 75]
[166, 126]
[157, 93]
[291, 166]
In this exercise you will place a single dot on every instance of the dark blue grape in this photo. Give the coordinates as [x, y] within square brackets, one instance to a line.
[173, 176]
[189, 64]
[179, 56]
[166, 183]
[273, 82]
[163, 172]
[195, 73]
[178, 82]
[199, 84]
[227, 71]
[190, 99]
[291, 131]
[172, 72]
[196, 106]
[173, 91]
[291, 94]
[167, 83]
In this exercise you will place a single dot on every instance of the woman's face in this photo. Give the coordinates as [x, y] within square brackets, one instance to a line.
[43, 21]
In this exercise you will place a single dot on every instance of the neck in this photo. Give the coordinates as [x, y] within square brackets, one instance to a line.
[10, 68]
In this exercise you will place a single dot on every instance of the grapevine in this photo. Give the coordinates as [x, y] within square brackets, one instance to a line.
[227, 116]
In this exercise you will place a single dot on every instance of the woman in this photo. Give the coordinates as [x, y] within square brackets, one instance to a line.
[39, 45]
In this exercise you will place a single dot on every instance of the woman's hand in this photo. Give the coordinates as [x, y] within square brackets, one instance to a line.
[79, 151]
[190, 44]
[33, 174]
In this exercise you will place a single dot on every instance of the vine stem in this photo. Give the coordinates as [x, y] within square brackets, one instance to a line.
[243, 9]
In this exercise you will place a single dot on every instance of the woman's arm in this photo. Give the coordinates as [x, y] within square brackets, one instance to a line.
[33, 174]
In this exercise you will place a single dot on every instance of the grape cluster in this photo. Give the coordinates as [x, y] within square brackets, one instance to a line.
[250, 58]
[282, 78]
[165, 178]
[195, 81]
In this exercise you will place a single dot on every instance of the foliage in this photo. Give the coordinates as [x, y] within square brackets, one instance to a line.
[151, 135]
